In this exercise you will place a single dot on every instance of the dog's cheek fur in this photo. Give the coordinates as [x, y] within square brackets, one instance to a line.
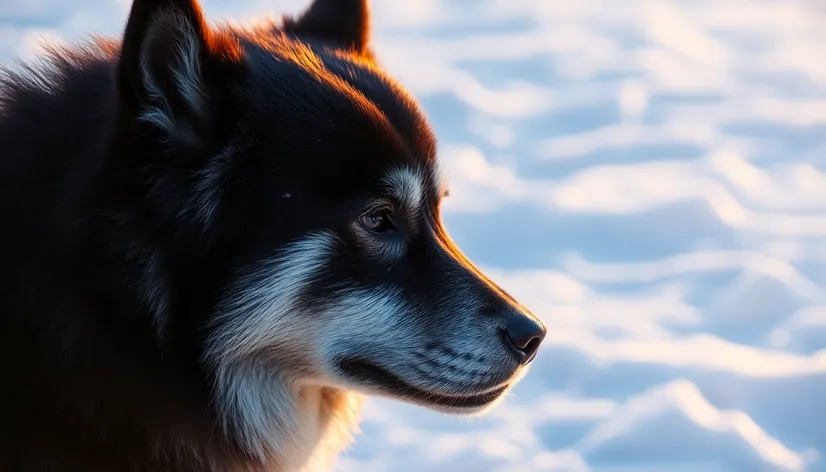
[365, 322]
[263, 306]
[261, 359]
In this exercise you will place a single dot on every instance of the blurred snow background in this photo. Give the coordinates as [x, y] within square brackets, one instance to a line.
[649, 176]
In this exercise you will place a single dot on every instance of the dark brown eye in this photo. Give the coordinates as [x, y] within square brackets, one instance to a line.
[377, 221]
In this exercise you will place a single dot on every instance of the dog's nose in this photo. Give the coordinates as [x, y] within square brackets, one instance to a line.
[524, 335]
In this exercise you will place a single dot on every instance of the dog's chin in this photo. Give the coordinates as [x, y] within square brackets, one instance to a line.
[382, 382]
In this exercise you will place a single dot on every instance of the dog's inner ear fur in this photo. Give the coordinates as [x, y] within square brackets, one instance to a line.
[345, 23]
[161, 68]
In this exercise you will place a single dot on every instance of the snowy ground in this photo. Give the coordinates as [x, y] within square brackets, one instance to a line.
[648, 176]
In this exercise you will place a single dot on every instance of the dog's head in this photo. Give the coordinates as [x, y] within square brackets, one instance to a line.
[309, 179]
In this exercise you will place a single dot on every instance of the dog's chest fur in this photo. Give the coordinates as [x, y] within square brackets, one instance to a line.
[327, 420]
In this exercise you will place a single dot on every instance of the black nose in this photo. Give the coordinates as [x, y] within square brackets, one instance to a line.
[524, 335]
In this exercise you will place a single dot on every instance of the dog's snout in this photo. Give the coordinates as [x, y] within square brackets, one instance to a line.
[524, 335]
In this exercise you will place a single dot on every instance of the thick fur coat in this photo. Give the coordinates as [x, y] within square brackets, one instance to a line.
[215, 240]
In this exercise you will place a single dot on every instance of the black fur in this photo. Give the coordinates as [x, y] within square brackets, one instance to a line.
[109, 272]
[92, 379]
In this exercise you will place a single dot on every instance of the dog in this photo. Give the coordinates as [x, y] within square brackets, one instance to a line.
[216, 240]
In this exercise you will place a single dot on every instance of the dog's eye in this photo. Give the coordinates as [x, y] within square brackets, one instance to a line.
[377, 221]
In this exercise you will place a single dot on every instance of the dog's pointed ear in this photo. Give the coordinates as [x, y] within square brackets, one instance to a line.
[161, 71]
[342, 22]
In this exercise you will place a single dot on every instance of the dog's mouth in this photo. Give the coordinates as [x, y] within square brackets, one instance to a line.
[391, 384]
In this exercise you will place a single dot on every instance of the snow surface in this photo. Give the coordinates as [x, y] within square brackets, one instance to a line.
[649, 176]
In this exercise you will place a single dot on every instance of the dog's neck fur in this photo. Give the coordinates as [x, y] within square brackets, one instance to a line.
[322, 425]
[328, 419]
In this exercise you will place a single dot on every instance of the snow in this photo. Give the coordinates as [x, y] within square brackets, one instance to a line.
[675, 423]
[649, 176]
